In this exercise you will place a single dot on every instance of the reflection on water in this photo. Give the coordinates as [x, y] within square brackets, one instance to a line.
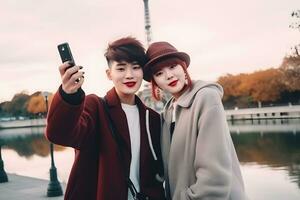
[25, 151]
[265, 126]
[277, 151]
[268, 150]
[27, 145]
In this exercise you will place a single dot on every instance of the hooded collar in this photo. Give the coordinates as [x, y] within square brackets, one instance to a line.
[187, 98]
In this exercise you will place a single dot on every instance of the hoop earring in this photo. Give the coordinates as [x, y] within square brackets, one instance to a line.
[186, 79]
[158, 93]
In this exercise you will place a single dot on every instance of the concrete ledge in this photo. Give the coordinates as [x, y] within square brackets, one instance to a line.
[25, 188]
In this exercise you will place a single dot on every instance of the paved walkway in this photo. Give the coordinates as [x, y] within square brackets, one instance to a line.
[25, 188]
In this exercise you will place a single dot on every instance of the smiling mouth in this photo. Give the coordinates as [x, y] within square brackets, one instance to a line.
[173, 83]
[130, 84]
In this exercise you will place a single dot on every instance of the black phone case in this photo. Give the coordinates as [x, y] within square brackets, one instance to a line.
[65, 53]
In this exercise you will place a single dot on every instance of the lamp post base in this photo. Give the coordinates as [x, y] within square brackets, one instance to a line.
[3, 175]
[54, 187]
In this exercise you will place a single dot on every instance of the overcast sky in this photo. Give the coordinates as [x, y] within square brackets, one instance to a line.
[232, 36]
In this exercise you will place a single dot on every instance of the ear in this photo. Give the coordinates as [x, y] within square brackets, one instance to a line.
[108, 74]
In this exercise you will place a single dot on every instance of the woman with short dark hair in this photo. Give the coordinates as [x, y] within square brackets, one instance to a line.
[103, 164]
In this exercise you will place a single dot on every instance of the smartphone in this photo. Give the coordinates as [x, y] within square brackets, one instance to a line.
[65, 53]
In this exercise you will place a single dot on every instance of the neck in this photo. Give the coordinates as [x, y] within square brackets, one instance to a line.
[126, 98]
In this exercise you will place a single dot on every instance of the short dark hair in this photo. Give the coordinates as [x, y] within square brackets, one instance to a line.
[126, 49]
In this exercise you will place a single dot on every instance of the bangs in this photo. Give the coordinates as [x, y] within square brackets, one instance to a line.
[126, 49]
[164, 63]
[129, 54]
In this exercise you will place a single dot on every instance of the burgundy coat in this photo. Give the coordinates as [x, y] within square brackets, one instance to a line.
[97, 173]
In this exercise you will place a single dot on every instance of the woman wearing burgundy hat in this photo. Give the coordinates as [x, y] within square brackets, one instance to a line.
[199, 158]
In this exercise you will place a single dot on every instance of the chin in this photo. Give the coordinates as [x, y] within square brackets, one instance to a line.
[131, 91]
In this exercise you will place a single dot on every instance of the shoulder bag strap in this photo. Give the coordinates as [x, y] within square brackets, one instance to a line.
[117, 139]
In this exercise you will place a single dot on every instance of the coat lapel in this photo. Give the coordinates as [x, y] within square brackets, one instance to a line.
[118, 116]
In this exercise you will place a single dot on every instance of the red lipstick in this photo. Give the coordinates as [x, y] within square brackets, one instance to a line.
[130, 84]
[173, 83]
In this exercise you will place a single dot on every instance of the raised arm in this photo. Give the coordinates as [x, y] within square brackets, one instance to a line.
[71, 120]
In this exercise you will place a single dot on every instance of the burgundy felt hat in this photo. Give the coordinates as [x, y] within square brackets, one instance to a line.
[158, 51]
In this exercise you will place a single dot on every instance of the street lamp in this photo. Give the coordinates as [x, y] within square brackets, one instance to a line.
[3, 175]
[54, 188]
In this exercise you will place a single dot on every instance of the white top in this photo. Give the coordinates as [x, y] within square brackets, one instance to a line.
[133, 121]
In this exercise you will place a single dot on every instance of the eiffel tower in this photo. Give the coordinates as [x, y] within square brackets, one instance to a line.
[146, 94]
[147, 22]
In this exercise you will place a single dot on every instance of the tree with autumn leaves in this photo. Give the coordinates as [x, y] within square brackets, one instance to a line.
[23, 104]
[37, 104]
[272, 86]
[16, 107]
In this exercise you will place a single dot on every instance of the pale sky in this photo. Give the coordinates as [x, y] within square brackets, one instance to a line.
[232, 36]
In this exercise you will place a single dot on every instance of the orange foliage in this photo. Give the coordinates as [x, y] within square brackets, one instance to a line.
[264, 86]
[228, 83]
[37, 104]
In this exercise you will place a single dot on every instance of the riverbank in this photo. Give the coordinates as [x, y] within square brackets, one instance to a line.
[23, 123]
[278, 112]
[25, 188]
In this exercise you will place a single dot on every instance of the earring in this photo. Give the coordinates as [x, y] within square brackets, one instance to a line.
[186, 80]
[158, 93]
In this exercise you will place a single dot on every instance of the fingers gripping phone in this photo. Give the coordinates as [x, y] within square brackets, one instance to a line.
[65, 53]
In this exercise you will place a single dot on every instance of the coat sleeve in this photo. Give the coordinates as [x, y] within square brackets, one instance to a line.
[72, 125]
[212, 157]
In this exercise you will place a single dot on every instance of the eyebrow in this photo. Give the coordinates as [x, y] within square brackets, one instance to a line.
[121, 64]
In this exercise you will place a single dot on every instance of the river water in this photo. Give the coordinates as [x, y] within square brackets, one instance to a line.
[268, 150]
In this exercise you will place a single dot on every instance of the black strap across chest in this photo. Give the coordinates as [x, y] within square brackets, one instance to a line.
[120, 144]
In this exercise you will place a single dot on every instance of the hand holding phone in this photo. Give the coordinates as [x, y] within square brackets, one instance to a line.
[72, 78]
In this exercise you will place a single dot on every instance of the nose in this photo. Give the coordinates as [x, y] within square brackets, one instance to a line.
[169, 74]
[129, 73]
